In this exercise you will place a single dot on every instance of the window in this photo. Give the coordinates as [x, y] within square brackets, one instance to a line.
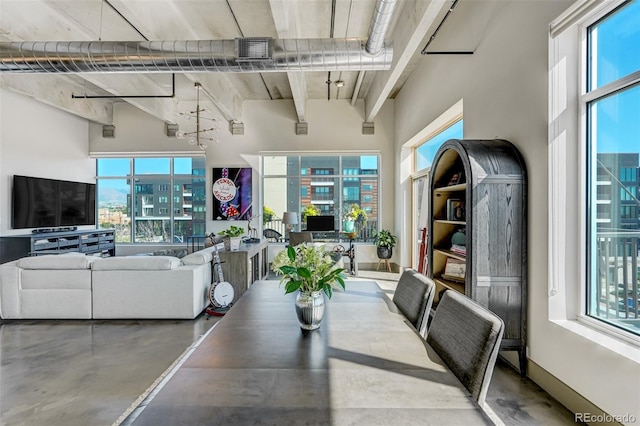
[322, 184]
[426, 151]
[138, 205]
[611, 101]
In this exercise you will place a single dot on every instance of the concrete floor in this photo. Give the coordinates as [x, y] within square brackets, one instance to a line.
[85, 373]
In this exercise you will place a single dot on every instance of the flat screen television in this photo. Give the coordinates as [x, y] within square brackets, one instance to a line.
[46, 203]
[321, 223]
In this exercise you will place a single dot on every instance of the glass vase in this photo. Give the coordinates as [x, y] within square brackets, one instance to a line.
[310, 309]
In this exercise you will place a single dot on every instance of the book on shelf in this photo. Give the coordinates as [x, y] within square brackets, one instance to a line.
[452, 278]
[455, 268]
[459, 249]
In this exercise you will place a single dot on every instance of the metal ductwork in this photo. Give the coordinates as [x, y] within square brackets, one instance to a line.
[239, 55]
[379, 25]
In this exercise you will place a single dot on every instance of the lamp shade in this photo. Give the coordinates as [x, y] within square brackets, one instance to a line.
[290, 218]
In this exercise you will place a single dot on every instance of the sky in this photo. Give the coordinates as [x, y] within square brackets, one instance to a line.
[615, 43]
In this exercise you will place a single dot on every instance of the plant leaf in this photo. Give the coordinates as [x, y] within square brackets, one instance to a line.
[292, 286]
[304, 272]
[291, 252]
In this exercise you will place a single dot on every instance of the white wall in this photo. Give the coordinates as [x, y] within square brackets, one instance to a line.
[41, 141]
[504, 88]
[269, 126]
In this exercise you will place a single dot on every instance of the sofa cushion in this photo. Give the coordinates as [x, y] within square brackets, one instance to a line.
[136, 263]
[55, 261]
[197, 258]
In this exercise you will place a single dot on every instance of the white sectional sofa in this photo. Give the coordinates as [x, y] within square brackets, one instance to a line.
[75, 286]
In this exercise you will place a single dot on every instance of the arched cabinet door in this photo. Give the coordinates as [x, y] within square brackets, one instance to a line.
[478, 230]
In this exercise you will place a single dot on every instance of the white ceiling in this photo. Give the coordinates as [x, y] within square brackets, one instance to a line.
[138, 20]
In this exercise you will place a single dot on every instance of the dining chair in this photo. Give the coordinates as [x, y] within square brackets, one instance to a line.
[414, 297]
[272, 235]
[296, 238]
[467, 337]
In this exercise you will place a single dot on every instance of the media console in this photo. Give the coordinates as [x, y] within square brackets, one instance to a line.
[90, 241]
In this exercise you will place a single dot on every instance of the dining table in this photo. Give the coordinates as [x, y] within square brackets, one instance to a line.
[365, 365]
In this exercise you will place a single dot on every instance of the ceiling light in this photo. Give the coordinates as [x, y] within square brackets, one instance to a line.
[340, 83]
[197, 137]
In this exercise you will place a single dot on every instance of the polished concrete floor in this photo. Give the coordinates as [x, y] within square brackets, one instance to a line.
[84, 373]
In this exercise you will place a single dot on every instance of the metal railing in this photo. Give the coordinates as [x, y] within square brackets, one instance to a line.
[617, 275]
[365, 234]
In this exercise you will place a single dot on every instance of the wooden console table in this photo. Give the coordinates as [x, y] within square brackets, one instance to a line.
[243, 267]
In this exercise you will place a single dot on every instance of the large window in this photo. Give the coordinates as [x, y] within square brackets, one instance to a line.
[134, 198]
[611, 101]
[426, 151]
[323, 185]
[424, 154]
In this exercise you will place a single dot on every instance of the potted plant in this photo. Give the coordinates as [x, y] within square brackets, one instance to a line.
[385, 241]
[310, 270]
[354, 219]
[232, 237]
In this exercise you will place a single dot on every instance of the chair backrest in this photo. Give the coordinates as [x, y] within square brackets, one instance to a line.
[296, 238]
[414, 296]
[272, 234]
[467, 337]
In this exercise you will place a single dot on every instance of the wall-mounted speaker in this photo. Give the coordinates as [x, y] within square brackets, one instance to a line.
[236, 128]
[108, 131]
[302, 128]
[170, 129]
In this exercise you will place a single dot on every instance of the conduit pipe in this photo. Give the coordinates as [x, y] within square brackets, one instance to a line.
[239, 55]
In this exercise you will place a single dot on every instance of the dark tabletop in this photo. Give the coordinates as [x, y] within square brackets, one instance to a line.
[365, 365]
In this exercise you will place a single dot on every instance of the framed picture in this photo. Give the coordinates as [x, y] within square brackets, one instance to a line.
[456, 210]
[456, 178]
[232, 193]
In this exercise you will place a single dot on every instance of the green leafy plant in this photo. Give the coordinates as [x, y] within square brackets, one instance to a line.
[233, 231]
[385, 238]
[307, 267]
[309, 210]
[353, 212]
[267, 214]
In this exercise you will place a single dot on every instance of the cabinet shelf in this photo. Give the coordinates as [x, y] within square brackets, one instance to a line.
[451, 188]
[452, 285]
[494, 210]
[451, 254]
[450, 222]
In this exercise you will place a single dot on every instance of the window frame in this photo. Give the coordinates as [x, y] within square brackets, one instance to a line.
[568, 174]
[338, 177]
[154, 180]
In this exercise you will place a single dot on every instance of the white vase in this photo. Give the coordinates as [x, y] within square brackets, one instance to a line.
[310, 309]
[235, 243]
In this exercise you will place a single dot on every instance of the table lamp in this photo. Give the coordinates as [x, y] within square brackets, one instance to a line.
[290, 219]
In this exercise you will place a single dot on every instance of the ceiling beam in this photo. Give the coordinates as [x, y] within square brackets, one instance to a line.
[217, 86]
[287, 27]
[20, 25]
[416, 17]
[56, 91]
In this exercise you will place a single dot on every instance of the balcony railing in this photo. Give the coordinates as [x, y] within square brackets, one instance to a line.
[617, 276]
[365, 234]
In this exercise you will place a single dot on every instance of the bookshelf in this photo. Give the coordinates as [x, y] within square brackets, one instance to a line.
[479, 187]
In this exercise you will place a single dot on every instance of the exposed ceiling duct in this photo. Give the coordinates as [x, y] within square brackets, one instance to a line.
[239, 55]
[379, 24]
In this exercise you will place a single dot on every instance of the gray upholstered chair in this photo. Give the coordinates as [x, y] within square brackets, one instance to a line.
[467, 337]
[272, 235]
[414, 296]
[296, 238]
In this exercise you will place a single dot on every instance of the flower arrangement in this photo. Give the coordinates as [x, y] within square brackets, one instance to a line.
[308, 268]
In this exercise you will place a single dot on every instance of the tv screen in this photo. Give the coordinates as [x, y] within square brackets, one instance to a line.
[46, 203]
[320, 223]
